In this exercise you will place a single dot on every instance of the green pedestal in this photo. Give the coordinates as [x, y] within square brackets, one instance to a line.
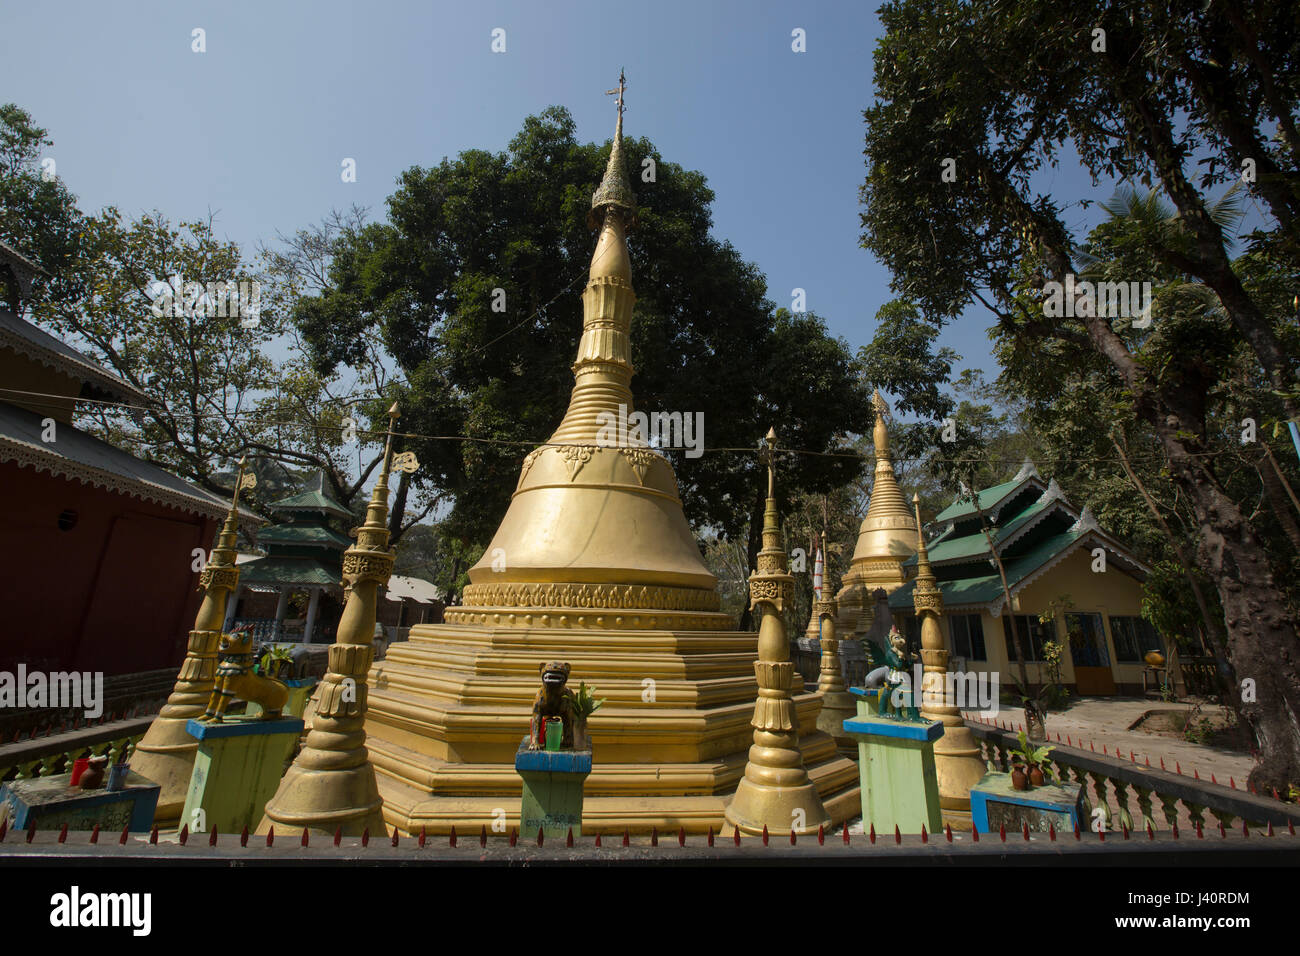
[237, 769]
[552, 799]
[896, 769]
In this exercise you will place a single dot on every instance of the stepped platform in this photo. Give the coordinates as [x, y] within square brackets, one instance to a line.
[447, 708]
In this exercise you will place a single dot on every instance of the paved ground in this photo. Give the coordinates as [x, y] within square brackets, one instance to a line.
[1103, 722]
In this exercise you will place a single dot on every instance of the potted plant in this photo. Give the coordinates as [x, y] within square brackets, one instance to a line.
[275, 659]
[1032, 763]
[584, 705]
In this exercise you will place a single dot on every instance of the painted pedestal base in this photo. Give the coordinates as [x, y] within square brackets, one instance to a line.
[552, 799]
[896, 768]
[236, 771]
[49, 802]
[994, 802]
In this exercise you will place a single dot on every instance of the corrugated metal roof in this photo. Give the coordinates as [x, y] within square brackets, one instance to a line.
[312, 501]
[26, 339]
[279, 572]
[75, 454]
[309, 534]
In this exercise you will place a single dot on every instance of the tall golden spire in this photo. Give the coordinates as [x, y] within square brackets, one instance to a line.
[331, 784]
[166, 754]
[885, 538]
[775, 792]
[596, 521]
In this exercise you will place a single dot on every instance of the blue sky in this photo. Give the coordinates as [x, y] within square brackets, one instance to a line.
[255, 128]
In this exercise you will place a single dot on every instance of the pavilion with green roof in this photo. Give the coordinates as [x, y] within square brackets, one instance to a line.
[1070, 582]
[304, 554]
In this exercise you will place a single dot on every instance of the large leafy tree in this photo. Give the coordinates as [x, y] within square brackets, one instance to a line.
[994, 92]
[473, 283]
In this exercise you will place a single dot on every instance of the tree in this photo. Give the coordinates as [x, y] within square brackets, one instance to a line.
[991, 93]
[38, 215]
[472, 286]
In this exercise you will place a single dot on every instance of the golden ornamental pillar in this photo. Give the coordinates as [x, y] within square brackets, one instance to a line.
[837, 703]
[331, 784]
[775, 791]
[956, 754]
[166, 753]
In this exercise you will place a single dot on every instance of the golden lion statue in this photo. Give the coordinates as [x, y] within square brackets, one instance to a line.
[235, 678]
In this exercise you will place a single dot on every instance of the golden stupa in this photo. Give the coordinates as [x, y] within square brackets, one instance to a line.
[886, 538]
[593, 564]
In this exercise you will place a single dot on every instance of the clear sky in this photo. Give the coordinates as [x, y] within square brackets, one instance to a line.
[255, 128]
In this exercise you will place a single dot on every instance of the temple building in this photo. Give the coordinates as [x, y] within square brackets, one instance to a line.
[293, 593]
[1060, 564]
[594, 564]
[305, 558]
[82, 513]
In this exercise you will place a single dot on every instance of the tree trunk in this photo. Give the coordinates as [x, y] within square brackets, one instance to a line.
[751, 554]
[399, 509]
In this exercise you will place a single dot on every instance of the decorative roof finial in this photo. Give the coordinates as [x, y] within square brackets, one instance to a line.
[922, 556]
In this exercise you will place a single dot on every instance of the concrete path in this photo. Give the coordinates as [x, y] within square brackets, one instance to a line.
[1104, 721]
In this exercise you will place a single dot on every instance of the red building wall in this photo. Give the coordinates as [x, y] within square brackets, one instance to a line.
[115, 592]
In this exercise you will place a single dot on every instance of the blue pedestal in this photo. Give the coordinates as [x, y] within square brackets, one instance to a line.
[995, 803]
[50, 802]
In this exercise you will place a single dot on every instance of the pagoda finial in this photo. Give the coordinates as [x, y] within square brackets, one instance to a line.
[615, 192]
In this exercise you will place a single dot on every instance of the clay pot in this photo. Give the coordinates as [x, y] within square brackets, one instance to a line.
[93, 778]
[1019, 780]
[78, 769]
[1036, 778]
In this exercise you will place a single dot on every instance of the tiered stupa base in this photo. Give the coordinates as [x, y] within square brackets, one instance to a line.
[449, 707]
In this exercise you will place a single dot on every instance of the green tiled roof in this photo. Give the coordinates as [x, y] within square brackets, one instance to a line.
[970, 546]
[986, 589]
[304, 534]
[312, 501]
[281, 572]
[988, 498]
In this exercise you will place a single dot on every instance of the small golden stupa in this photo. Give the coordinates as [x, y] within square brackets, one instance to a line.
[594, 564]
[957, 758]
[166, 754]
[886, 538]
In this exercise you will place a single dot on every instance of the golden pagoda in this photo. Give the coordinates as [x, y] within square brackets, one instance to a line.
[594, 564]
[886, 538]
[167, 751]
